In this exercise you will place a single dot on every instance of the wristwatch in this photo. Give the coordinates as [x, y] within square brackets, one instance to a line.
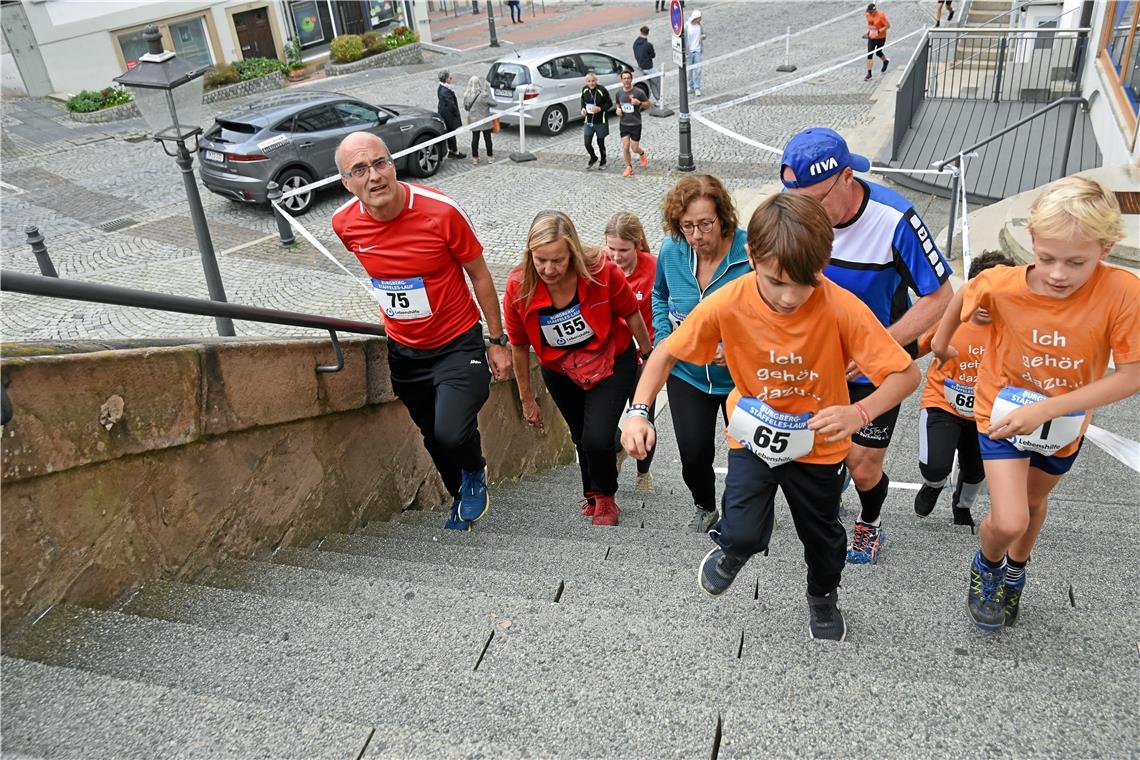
[499, 341]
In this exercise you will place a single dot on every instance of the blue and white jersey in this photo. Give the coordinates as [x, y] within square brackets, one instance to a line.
[883, 252]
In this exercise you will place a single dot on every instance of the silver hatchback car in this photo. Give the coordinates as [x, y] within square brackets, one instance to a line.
[549, 77]
[291, 139]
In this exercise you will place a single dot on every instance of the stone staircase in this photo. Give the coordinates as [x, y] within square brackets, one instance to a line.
[539, 635]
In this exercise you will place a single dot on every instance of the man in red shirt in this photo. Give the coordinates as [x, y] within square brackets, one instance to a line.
[415, 243]
[877, 26]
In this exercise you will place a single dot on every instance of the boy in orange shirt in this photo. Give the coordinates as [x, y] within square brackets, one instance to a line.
[1054, 324]
[788, 334]
[877, 26]
[946, 416]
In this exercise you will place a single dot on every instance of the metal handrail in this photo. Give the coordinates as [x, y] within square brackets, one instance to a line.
[973, 148]
[37, 285]
[922, 41]
[999, 30]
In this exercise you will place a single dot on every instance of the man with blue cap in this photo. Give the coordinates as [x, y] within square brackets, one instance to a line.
[882, 249]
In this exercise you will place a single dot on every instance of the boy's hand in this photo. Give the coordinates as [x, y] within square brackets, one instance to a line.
[836, 422]
[638, 437]
[943, 355]
[1020, 421]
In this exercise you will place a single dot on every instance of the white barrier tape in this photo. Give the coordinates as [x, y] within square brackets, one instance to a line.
[801, 80]
[1118, 447]
[400, 154]
[320, 247]
[771, 40]
[967, 257]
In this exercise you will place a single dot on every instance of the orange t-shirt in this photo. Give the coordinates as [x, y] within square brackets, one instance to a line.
[1052, 345]
[952, 389]
[876, 25]
[796, 363]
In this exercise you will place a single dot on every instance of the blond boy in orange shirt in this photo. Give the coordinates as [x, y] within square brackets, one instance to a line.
[788, 335]
[1054, 324]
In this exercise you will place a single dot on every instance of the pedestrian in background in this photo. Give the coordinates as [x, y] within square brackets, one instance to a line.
[516, 10]
[938, 14]
[877, 26]
[631, 101]
[660, 5]
[696, 43]
[448, 108]
[644, 54]
[596, 104]
[478, 101]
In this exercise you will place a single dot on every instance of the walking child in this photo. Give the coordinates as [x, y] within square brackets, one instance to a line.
[946, 416]
[1055, 322]
[788, 335]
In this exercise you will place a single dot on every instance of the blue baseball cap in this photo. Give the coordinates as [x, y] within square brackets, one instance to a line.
[816, 154]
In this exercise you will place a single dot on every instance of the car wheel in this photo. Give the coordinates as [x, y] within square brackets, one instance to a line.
[553, 120]
[291, 179]
[426, 161]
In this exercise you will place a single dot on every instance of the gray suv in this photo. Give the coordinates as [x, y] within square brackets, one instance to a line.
[550, 74]
[291, 139]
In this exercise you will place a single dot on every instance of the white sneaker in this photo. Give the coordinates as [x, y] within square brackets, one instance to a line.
[697, 93]
[475, 160]
[490, 159]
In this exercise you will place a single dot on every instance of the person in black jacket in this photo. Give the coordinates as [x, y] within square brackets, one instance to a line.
[449, 111]
[596, 103]
[644, 54]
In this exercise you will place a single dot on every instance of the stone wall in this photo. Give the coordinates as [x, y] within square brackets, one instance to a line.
[401, 56]
[120, 466]
[274, 81]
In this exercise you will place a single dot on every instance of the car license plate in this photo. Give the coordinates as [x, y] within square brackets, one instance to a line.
[215, 156]
[504, 93]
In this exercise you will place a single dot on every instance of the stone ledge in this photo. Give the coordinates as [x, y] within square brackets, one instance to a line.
[401, 56]
[273, 81]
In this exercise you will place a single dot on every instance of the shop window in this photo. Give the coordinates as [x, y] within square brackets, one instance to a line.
[191, 42]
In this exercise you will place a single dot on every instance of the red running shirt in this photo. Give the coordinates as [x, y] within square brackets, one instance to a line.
[416, 265]
[641, 283]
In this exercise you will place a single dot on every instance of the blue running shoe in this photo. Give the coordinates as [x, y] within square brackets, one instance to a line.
[718, 570]
[985, 598]
[473, 498]
[1013, 600]
[865, 544]
[453, 521]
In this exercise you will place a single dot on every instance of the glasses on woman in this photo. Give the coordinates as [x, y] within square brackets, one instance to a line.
[360, 172]
[705, 225]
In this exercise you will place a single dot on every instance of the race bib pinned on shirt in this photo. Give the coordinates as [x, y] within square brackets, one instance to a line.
[1048, 439]
[627, 108]
[566, 328]
[402, 299]
[676, 316]
[776, 437]
[960, 397]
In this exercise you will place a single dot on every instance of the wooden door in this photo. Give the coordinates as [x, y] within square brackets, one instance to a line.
[254, 35]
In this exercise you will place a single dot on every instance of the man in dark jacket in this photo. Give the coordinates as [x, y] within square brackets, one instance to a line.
[596, 103]
[449, 111]
[644, 54]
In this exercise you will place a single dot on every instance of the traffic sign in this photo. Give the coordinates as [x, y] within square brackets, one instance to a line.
[676, 18]
[678, 53]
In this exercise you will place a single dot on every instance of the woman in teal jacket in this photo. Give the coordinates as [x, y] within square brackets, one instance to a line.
[704, 250]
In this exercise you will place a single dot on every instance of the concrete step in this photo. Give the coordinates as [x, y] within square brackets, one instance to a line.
[437, 703]
[67, 713]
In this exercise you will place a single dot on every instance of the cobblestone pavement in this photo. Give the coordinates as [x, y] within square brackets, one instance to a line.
[75, 181]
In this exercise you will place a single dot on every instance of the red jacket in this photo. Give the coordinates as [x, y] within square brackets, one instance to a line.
[604, 304]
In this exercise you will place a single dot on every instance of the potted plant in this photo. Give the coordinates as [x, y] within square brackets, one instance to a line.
[293, 60]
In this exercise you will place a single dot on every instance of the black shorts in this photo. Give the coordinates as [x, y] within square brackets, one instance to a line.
[873, 45]
[878, 434]
[940, 435]
[633, 132]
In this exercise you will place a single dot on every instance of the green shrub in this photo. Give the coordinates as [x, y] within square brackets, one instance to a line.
[346, 48]
[399, 37]
[87, 101]
[252, 68]
[220, 76]
[373, 41]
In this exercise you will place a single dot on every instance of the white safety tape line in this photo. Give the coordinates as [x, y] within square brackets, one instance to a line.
[967, 257]
[800, 80]
[892, 484]
[1118, 447]
[400, 154]
[317, 244]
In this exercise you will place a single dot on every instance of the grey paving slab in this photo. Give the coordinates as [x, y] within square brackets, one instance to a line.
[52, 712]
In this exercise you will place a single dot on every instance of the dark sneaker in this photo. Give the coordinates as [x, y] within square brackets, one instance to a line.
[703, 520]
[951, 16]
[865, 545]
[962, 516]
[825, 619]
[591, 163]
[718, 570]
[986, 596]
[473, 498]
[602, 165]
[925, 500]
[886, 63]
[605, 510]
[453, 521]
[1013, 600]
[868, 77]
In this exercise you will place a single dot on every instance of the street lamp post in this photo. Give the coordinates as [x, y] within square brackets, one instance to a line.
[168, 93]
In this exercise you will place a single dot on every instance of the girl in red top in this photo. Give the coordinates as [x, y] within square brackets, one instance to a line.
[1055, 322]
[627, 247]
[575, 309]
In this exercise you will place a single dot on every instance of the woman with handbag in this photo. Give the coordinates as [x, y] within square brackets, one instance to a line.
[478, 101]
[575, 308]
